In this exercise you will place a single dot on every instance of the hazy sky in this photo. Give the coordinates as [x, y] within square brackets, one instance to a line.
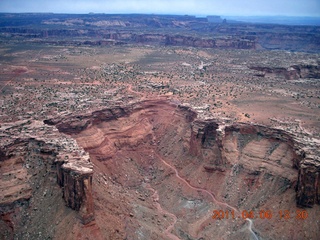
[196, 7]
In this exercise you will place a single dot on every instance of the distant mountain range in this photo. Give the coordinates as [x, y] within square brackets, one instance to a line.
[276, 20]
[272, 33]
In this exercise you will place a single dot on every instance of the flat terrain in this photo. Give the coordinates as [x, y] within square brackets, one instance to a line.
[41, 81]
[151, 181]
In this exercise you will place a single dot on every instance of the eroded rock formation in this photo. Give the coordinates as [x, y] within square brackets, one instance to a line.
[223, 145]
[243, 164]
[33, 158]
[260, 149]
[110, 37]
[291, 73]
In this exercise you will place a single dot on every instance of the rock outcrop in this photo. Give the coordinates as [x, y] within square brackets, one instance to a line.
[34, 157]
[222, 145]
[110, 37]
[258, 148]
[291, 73]
[74, 175]
[246, 160]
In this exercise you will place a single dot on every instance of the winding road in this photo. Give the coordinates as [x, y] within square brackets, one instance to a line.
[156, 198]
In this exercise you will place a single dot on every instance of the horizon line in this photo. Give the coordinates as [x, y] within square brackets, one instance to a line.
[172, 14]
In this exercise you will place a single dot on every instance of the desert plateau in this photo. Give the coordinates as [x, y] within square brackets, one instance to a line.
[146, 126]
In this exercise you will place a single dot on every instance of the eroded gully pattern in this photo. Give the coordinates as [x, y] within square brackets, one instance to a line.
[155, 196]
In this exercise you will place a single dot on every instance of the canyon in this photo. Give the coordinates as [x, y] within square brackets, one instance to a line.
[134, 148]
[158, 127]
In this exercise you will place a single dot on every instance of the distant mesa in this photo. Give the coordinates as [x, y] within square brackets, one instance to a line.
[212, 31]
[215, 19]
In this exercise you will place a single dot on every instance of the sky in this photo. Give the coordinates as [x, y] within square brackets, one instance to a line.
[192, 7]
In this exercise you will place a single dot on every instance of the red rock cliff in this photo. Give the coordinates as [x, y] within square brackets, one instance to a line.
[30, 160]
[263, 149]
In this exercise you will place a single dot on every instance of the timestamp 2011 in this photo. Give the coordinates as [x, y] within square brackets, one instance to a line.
[260, 214]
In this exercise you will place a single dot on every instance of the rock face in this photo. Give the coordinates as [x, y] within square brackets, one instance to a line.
[307, 71]
[223, 43]
[308, 187]
[248, 166]
[74, 175]
[290, 73]
[118, 38]
[258, 148]
[308, 191]
[243, 164]
[33, 158]
[221, 146]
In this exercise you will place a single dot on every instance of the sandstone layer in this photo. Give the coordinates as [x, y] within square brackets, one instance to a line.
[291, 73]
[134, 149]
[245, 165]
[34, 157]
